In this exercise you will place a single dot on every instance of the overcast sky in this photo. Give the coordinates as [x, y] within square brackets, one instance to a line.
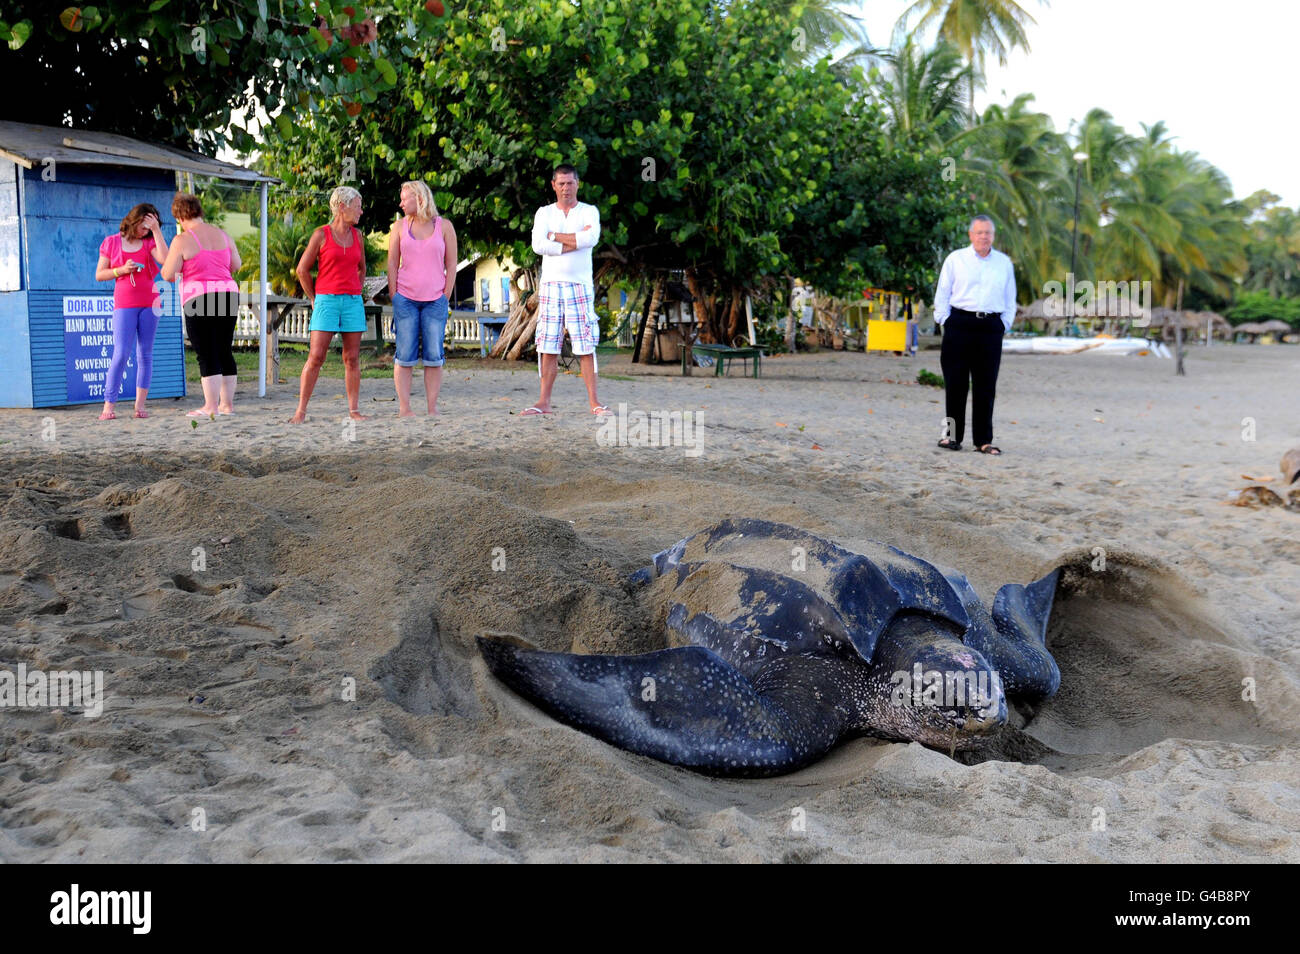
[1223, 76]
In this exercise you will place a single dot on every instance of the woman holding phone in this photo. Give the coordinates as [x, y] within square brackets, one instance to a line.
[130, 259]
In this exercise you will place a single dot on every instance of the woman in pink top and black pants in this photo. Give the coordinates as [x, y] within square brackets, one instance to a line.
[421, 264]
[206, 259]
[130, 259]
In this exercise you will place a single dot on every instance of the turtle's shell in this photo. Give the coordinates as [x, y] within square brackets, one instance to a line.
[751, 590]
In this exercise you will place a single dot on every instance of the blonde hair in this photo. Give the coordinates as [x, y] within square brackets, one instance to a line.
[425, 207]
[343, 195]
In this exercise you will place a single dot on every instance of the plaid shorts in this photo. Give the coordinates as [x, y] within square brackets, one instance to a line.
[564, 305]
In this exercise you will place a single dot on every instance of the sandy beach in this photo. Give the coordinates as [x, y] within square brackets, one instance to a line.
[233, 580]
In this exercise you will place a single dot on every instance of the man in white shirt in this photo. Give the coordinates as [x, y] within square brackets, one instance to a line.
[563, 234]
[975, 304]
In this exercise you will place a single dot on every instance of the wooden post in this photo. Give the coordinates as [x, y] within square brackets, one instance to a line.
[1178, 334]
[791, 326]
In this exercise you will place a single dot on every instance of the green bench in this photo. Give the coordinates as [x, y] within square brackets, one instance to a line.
[721, 354]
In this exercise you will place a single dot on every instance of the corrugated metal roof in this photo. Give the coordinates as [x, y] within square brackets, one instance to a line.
[28, 145]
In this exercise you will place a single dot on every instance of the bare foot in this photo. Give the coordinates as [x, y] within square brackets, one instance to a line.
[407, 413]
[298, 418]
[358, 416]
[107, 414]
[226, 410]
[433, 412]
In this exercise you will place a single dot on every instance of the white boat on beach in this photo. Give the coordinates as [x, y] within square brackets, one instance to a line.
[1100, 344]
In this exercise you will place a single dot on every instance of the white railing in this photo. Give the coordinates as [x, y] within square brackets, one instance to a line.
[462, 328]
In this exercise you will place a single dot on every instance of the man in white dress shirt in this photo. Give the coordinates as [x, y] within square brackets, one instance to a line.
[563, 234]
[975, 304]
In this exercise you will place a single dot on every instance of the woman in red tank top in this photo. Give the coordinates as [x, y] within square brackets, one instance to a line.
[339, 254]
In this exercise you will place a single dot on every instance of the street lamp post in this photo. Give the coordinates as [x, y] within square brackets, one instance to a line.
[1079, 159]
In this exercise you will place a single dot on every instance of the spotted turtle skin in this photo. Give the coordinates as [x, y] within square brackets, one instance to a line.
[783, 644]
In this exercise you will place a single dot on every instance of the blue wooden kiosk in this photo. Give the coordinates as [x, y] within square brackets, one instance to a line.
[61, 191]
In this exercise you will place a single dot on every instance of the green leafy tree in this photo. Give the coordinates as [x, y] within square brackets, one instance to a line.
[705, 140]
[1261, 306]
[190, 72]
[1273, 251]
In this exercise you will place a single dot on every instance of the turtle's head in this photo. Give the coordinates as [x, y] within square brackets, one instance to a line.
[950, 707]
[942, 693]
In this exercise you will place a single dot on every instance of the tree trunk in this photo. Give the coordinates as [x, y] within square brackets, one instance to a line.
[651, 310]
[523, 321]
[699, 306]
[791, 320]
[524, 338]
[737, 313]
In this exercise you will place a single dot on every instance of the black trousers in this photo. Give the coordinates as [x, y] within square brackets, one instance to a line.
[970, 356]
[210, 326]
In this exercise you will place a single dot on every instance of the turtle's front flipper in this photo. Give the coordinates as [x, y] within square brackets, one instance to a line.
[685, 706]
[1020, 614]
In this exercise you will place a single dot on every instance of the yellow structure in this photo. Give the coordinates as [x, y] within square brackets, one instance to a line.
[886, 335]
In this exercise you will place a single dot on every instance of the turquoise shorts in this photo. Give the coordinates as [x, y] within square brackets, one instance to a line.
[338, 313]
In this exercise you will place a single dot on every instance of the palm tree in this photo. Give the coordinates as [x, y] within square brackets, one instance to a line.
[1273, 253]
[1017, 165]
[975, 28]
[823, 26]
[924, 93]
[285, 243]
[1169, 216]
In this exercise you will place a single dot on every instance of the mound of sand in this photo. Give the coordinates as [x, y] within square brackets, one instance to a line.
[286, 623]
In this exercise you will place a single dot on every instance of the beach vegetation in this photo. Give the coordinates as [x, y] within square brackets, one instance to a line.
[216, 65]
[709, 140]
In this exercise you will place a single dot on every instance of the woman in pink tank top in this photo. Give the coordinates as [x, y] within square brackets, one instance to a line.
[421, 265]
[206, 259]
[130, 259]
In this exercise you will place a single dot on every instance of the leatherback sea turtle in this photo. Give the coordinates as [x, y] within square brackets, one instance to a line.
[785, 643]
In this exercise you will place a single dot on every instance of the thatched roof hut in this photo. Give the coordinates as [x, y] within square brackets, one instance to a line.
[1050, 315]
[1219, 326]
[1253, 330]
[1166, 320]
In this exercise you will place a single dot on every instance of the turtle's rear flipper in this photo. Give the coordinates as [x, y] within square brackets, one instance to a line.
[1020, 614]
[684, 706]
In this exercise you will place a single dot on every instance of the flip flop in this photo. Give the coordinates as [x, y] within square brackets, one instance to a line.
[200, 413]
[950, 445]
[531, 411]
[108, 416]
[601, 410]
[142, 414]
[991, 450]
